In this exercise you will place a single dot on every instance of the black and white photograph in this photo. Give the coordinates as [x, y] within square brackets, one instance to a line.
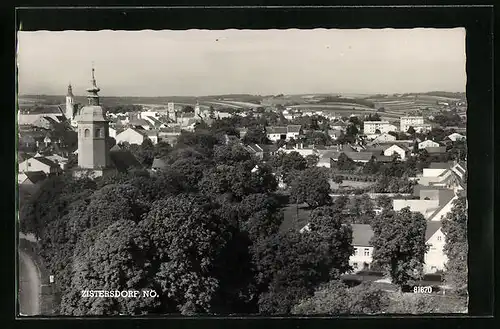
[277, 172]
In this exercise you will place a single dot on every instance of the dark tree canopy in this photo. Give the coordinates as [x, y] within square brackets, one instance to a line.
[399, 245]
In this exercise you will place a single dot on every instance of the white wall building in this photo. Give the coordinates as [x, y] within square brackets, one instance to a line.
[371, 127]
[427, 143]
[395, 149]
[131, 136]
[416, 122]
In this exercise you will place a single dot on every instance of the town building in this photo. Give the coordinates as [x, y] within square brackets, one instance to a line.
[283, 132]
[93, 135]
[40, 163]
[377, 127]
[417, 122]
[427, 144]
[456, 137]
[394, 149]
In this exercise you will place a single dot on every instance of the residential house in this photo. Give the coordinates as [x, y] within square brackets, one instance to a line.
[131, 136]
[31, 177]
[435, 258]
[383, 138]
[40, 164]
[304, 151]
[157, 124]
[428, 144]
[326, 158]
[425, 207]
[360, 157]
[436, 150]
[283, 132]
[140, 124]
[60, 160]
[377, 127]
[417, 122]
[262, 151]
[363, 249]
[396, 149]
[112, 132]
[456, 137]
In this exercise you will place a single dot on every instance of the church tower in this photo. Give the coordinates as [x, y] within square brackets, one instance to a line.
[70, 104]
[93, 133]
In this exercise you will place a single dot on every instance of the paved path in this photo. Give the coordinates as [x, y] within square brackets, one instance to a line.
[29, 285]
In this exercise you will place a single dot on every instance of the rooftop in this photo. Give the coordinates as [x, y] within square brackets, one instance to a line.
[361, 234]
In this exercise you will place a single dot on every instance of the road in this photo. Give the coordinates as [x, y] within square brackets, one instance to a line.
[29, 286]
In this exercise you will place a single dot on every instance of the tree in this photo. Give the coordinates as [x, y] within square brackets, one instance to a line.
[188, 109]
[188, 238]
[345, 163]
[455, 231]
[290, 265]
[399, 245]
[231, 154]
[162, 149]
[256, 135]
[312, 187]
[336, 298]
[312, 160]
[118, 261]
[371, 167]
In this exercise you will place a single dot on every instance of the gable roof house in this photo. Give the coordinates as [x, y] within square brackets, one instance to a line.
[140, 124]
[456, 137]
[40, 164]
[135, 136]
[428, 143]
[397, 149]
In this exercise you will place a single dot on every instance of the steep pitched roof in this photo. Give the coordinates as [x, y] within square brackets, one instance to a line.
[293, 128]
[123, 160]
[276, 130]
[361, 234]
[47, 162]
[440, 149]
[432, 227]
[439, 165]
[159, 163]
[35, 176]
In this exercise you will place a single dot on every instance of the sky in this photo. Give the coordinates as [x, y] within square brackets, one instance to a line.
[259, 62]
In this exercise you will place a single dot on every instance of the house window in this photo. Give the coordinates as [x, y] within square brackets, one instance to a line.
[355, 265]
[29, 164]
[356, 251]
[98, 132]
[439, 238]
[366, 252]
[87, 133]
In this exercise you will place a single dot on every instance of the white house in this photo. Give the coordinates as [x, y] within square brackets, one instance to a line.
[371, 127]
[395, 149]
[363, 249]
[40, 164]
[112, 132]
[57, 159]
[416, 122]
[435, 258]
[425, 207]
[384, 138]
[131, 136]
[427, 143]
[283, 133]
[456, 137]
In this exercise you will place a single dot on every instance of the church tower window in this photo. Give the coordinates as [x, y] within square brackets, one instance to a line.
[98, 133]
[87, 132]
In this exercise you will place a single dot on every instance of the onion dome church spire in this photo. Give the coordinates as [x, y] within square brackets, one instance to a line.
[70, 91]
[93, 96]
